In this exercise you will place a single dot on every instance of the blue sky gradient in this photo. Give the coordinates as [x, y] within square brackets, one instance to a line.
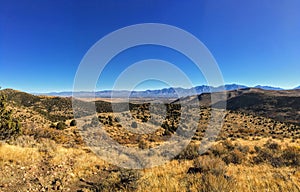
[42, 42]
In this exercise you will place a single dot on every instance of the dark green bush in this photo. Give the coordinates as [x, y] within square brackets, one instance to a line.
[273, 154]
[272, 145]
[207, 164]
[190, 152]
[229, 152]
[128, 179]
[119, 180]
[60, 126]
[95, 121]
[73, 123]
[134, 124]
[9, 127]
[52, 125]
[117, 119]
[235, 157]
[291, 156]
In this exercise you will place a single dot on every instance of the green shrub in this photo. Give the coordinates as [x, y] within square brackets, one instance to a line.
[190, 152]
[52, 125]
[95, 121]
[229, 152]
[117, 119]
[134, 124]
[272, 145]
[207, 164]
[291, 156]
[143, 144]
[128, 179]
[235, 157]
[73, 123]
[118, 180]
[60, 126]
[9, 127]
[219, 150]
[273, 154]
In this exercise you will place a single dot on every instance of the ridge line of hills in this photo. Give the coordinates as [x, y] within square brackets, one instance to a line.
[280, 105]
[165, 92]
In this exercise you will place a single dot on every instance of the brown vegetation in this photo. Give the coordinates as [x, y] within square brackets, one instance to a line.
[251, 152]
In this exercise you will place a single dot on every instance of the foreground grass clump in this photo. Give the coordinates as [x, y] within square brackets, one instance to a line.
[44, 165]
[274, 154]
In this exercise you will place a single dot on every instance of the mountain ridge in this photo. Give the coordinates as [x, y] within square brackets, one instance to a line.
[282, 105]
[171, 92]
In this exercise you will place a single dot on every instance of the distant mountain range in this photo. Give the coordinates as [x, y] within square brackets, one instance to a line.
[268, 88]
[282, 105]
[166, 92]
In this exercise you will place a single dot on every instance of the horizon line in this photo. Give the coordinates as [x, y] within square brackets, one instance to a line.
[99, 90]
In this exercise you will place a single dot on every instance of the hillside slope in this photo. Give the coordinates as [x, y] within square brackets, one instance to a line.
[283, 105]
[52, 108]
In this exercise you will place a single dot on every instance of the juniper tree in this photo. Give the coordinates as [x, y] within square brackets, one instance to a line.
[9, 127]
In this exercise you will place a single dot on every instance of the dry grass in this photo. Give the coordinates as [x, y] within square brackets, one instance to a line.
[50, 166]
[165, 178]
[243, 158]
[265, 178]
[18, 155]
[38, 168]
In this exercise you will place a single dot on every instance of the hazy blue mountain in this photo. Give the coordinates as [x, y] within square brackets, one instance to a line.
[297, 87]
[268, 88]
[166, 92]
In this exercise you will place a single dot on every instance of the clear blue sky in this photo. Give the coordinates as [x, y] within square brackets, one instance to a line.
[43, 42]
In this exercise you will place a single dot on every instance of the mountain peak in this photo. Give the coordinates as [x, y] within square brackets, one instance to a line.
[268, 87]
[171, 92]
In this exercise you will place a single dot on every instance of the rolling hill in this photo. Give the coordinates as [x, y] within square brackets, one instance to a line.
[260, 134]
[282, 105]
